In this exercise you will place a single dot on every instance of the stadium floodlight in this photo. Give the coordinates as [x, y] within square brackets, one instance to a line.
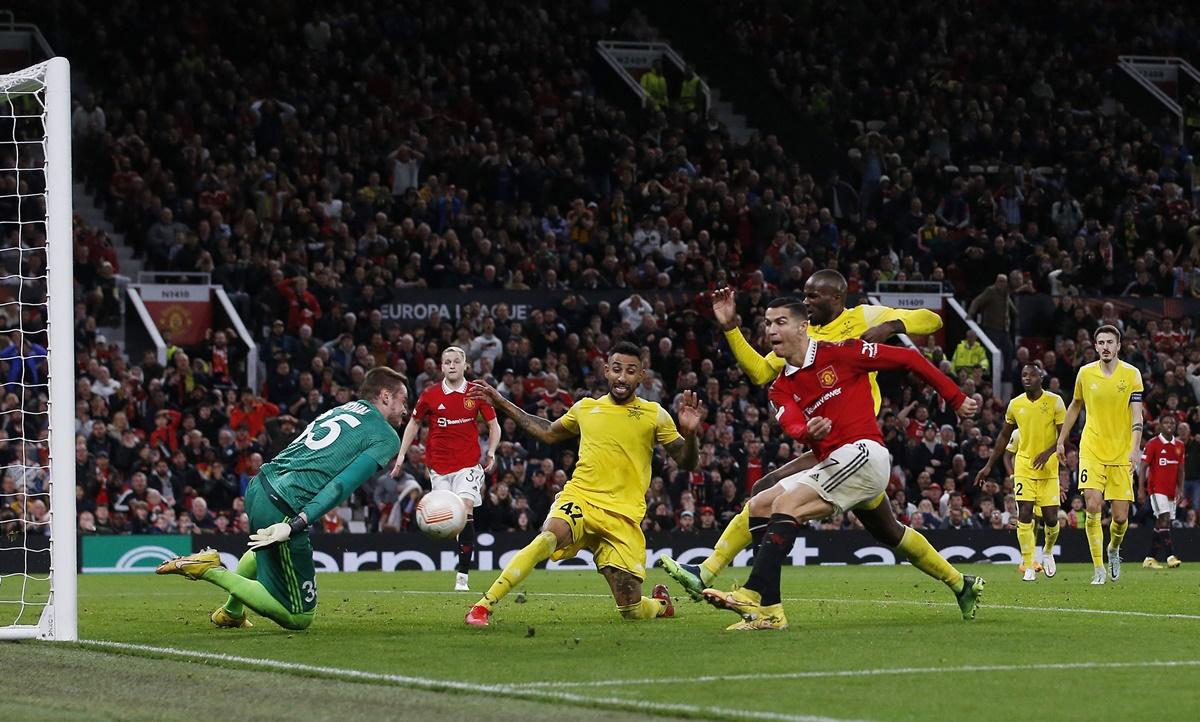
[37, 405]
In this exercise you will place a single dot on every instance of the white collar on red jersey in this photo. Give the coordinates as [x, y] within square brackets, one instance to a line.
[460, 390]
[809, 357]
[1165, 440]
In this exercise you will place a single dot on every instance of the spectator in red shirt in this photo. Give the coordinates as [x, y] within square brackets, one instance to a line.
[303, 307]
[1167, 339]
[165, 436]
[252, 413]
[535, 380]
[551, 392]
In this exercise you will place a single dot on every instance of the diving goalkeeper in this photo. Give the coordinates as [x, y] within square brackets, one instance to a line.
[319, 470]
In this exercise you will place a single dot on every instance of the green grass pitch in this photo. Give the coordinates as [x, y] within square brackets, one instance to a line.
[866, 643]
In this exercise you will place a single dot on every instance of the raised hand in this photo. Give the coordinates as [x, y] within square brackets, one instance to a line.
[691, 413]
[482, 391]
[724, 308]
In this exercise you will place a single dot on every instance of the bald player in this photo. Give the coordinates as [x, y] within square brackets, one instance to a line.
[829, 320]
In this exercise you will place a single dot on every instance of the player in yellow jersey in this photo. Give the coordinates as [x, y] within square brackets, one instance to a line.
[602, 506]
[1010, 460]
[829, 320]
[1037, 416]
[1111, 391]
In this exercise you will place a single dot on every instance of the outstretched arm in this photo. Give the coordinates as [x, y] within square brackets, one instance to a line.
[406, 440]
[337, 490]
[877, 357]
[762, 370]
[541, 429]
[340, 487]
[886, 322]
[997, 450]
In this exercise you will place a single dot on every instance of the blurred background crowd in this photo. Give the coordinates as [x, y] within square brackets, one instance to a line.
[322, 161]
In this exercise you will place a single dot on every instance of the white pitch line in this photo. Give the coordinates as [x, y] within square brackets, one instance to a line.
[438, 685]
[819, 674]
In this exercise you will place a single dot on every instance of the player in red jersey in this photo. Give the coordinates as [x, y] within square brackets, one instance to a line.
[823, 398]
[1160, 474]
[452, 449]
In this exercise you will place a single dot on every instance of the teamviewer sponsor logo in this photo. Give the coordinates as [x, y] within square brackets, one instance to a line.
[819, 402]
[444, 422]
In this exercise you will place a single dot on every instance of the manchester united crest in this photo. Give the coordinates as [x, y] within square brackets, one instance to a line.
[827, 377]
[468, 403]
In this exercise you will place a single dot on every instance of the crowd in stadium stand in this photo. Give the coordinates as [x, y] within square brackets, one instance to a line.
[352, 161]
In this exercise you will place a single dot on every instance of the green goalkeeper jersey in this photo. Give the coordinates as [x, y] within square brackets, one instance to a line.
[333, 441]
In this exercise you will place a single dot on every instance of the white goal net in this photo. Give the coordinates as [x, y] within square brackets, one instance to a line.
[37, 469]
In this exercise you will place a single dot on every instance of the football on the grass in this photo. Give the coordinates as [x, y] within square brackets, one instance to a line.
[441, 514]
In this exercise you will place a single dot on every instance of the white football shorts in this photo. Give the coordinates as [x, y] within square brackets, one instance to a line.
[853, 474]
[467, 483]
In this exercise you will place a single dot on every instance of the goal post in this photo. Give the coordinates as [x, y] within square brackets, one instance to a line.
[38, 592]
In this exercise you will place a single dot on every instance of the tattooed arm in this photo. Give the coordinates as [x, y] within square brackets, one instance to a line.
[541, 429]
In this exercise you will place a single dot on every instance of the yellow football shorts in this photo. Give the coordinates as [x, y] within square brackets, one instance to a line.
[1115, 480]
[613, 539]
[1042, 492]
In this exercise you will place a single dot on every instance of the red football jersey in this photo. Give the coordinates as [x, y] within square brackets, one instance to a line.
[453, 442]
[1163, 460]
[833, 382]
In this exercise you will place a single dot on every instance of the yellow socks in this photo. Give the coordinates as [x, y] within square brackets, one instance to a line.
[923, 556]
[645, 609]
[1026, 539]
[1095, 537]
[536, 552]
[1116, 533]
[734, 539]
[1051, 538]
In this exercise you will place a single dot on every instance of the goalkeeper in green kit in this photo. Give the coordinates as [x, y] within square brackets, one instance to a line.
[339, 450]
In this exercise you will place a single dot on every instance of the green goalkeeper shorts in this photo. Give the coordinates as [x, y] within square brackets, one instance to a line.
[286, 570]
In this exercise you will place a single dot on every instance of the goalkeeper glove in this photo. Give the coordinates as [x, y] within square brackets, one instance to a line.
[277, 533]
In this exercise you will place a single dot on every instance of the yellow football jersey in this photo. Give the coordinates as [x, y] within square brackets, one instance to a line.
[616, 442]
[850, 323]
[1037, 422]
[1107, 430]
